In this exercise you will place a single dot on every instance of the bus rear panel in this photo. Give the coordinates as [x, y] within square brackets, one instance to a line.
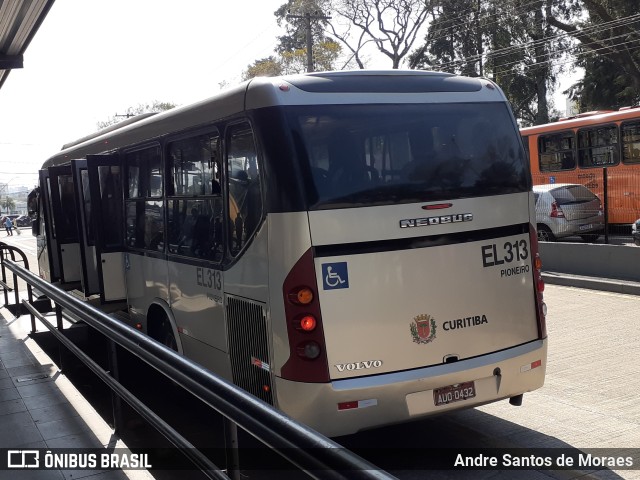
[421, 257]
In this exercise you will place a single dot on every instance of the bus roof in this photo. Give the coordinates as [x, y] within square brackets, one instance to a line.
[585, 119]
[344, 87]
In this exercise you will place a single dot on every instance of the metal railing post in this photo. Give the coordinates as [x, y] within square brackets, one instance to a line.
[231, 448]
[114, 370]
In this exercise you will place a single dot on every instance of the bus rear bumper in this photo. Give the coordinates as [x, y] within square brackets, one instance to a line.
[347, 406]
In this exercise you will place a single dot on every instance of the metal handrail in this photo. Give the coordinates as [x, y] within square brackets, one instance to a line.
[310, 451]
[12, 250]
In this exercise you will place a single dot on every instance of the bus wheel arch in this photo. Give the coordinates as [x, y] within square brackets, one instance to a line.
[161, 326]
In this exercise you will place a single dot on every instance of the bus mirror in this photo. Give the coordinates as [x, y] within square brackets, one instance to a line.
[35, 227]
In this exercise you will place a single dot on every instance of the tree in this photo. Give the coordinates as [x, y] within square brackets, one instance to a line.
[156, 106]
[608, 39]
[265, 67]
[392, 25]
[509, 41]
[8, 204]
[298, 15]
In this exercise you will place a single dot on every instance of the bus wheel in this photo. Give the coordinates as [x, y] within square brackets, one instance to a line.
[545, 234]
[167, 337]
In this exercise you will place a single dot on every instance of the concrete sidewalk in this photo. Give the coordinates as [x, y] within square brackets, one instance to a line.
[40, 408]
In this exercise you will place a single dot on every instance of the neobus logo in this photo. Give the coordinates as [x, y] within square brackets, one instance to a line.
[442, 220]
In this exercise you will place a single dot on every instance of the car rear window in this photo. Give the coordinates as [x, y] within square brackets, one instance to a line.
[572, 195]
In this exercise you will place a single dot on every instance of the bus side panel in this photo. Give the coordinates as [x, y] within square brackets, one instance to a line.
[197, 304]
[147, 280]
[248, 276]
[289, 239]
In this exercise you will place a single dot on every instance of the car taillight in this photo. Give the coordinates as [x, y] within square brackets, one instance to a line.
[556, 211]
[536, 263]
[307, 358]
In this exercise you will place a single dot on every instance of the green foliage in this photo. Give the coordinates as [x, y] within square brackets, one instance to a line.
[509, 41]
[8, 204]
[608, 32]
[266, 67]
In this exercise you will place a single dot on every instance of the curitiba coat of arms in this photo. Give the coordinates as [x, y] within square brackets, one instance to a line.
[423, 328]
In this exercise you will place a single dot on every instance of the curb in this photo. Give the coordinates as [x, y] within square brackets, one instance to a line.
[605, 284]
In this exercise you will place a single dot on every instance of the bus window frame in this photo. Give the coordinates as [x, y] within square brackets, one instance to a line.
[124, 152]
[171, 196]
[573, 150]
[231, 256]
[622, 143]
[616, 149]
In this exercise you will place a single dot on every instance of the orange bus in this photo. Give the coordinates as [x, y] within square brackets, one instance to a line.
[600, 150]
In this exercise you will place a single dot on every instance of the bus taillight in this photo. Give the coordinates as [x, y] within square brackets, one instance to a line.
[308, 358]
[307, 323]
[301, 295]
[308, 350]
[541, 307]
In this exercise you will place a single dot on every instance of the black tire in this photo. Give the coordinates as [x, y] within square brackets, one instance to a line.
[590, 237]
[637, 242]
[167, 337]
[545, 234]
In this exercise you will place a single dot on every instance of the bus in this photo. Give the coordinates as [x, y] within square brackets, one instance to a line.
[356, 249]
[600, 150]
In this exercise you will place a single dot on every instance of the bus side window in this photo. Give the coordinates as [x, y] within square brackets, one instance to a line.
[194, 204]
[598, 147]
[244, 189]
[631, 142]
[557, 152]
[144, 205]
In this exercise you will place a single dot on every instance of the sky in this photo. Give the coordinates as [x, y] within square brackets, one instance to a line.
[92, 59]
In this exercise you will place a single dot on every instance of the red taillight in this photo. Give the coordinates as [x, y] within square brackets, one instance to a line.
[536, 262]
[307, 323]
[556, 211]
[308, 358]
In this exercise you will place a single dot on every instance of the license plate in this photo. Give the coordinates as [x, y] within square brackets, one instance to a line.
[586, 227]
[454, 393]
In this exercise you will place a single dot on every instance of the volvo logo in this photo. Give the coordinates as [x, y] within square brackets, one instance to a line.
[358, 365]
[442, 220]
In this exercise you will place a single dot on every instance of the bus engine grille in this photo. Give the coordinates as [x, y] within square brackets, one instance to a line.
[249, 347]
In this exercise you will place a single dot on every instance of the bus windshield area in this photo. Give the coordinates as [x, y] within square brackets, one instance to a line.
[360, 155]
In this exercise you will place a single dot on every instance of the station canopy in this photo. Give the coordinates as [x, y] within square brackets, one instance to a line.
[19, 22]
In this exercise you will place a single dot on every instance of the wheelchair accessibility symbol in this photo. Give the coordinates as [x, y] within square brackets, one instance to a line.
[335, 275]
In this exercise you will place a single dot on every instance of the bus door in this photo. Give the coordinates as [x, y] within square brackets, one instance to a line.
[48, 258]
[64, 226]
[107, 215]
[86, 230]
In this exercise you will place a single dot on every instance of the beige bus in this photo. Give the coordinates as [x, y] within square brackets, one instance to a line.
[355, 248]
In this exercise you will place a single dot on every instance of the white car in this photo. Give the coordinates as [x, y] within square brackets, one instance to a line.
[567, 209]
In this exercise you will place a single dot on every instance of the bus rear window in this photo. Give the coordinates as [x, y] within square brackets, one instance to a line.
[358, 155]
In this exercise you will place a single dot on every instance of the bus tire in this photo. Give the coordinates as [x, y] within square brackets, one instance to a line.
[167, 337]
[545, 234]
